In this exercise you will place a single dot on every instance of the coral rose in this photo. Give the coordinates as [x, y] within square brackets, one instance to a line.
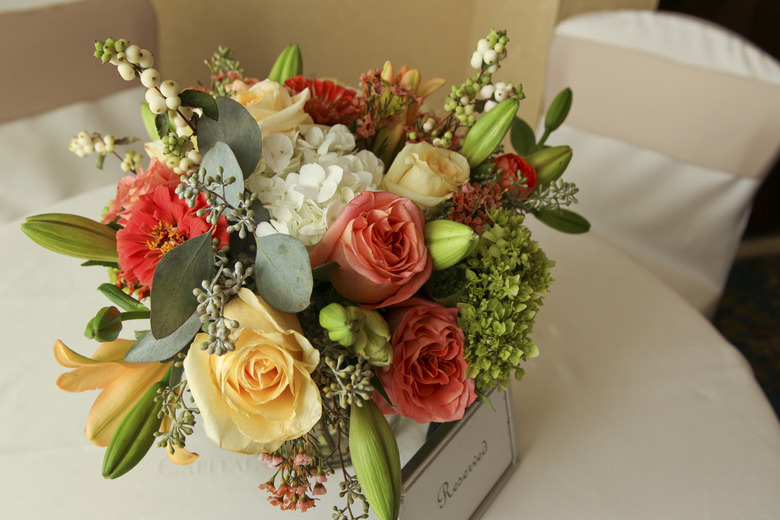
[379, 245]
[275, 111]
[514, 172]
[261, 394]
[427, 380]
[426, 174]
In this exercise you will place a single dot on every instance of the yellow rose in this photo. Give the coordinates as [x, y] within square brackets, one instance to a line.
[426, 174]
[275, 111]
[262, 394]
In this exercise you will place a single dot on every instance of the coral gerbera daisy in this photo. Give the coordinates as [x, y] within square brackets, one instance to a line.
[159, 222]
[330, 104]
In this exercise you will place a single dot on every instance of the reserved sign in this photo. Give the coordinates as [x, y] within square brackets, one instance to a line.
[458, 471]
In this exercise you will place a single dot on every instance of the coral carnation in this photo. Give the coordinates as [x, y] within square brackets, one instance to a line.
[159, 222]
[330, 104]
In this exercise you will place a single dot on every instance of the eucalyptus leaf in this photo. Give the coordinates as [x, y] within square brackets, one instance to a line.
[120, 298]
[260, 213]
[522, 137]
[162, 124]
[321, 271]
[563, 220]
[220, 160]
[147, 348]
[237, 128]
[283, 272]
[199, 99]
[178, 273]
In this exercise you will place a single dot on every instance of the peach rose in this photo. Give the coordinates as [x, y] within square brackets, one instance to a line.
[261, 394]
[274, 109]
[427, 380]
[426, 174]
[379, 245]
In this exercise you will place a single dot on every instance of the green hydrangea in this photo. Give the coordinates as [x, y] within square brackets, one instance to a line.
[506, 277]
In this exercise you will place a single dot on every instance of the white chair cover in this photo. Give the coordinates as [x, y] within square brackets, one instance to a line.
[674, 125]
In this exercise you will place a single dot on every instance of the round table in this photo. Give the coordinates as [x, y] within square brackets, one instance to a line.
[636, 408]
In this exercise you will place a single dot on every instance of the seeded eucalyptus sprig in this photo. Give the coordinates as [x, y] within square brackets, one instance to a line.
[181, 415]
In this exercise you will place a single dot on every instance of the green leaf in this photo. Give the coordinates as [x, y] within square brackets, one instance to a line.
[147, 348]
[320, 273]
[72, 235]
[199, 99]
[148, 118]
[120, 298]
[89, 263]
[220, 160]
[99, 160]
[180, 271]
[563, 220]
[522, 137]
[238, 129]
[162, 124]
[376, 383]
[283, 272]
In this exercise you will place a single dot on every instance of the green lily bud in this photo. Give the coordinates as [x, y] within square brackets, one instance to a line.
[72, 235]
[489, 131]
[287, 65]
[372, 341]
[448, 242]
[376, 459]
[134, 435]
[558, 110]
[342, 323]
[549, 163]
[105, 326]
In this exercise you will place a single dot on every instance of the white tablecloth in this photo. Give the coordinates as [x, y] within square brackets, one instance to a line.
[637, 408]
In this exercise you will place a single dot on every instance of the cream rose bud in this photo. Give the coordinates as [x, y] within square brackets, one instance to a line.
[261, 394]
[426, 174]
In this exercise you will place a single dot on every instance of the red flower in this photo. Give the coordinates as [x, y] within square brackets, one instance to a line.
[513, 173]
[330, 104]
[159, 222]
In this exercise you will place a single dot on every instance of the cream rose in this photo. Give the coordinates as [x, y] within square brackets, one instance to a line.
[426, 174]
[275, 111]
[262, 394]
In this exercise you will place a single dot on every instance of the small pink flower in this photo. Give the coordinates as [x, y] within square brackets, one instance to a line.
[319, 489]
[302, 459]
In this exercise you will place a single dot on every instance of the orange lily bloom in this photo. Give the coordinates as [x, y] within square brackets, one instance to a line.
[122, 383]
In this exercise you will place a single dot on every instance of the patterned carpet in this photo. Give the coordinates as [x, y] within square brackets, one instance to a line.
[749, 316]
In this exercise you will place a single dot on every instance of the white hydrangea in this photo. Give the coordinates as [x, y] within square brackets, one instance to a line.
[306, 181]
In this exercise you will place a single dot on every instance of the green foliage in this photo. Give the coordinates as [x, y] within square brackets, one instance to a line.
[563, 220]
[283, 272]
[522, 137]
[178, 273]
[199, 99]
[238, 129]
[147, 348]
[505, 279]
[220, 164]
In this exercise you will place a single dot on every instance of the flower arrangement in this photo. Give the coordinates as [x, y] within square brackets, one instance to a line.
[309, 258]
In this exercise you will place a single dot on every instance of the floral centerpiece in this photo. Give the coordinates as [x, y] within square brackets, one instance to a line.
[308, 258]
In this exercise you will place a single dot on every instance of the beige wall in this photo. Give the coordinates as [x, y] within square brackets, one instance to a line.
[343, 38]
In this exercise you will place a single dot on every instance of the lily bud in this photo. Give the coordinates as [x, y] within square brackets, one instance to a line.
[549, 163]
[558, 110]
[287, 65]
[488, 132]
[372, 341]
[105, 326]
[342, 323]
[376, 459]
[72, 235]
[448, 242]
[134, 435]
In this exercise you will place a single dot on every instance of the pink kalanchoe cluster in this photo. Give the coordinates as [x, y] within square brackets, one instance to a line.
[295, 476]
